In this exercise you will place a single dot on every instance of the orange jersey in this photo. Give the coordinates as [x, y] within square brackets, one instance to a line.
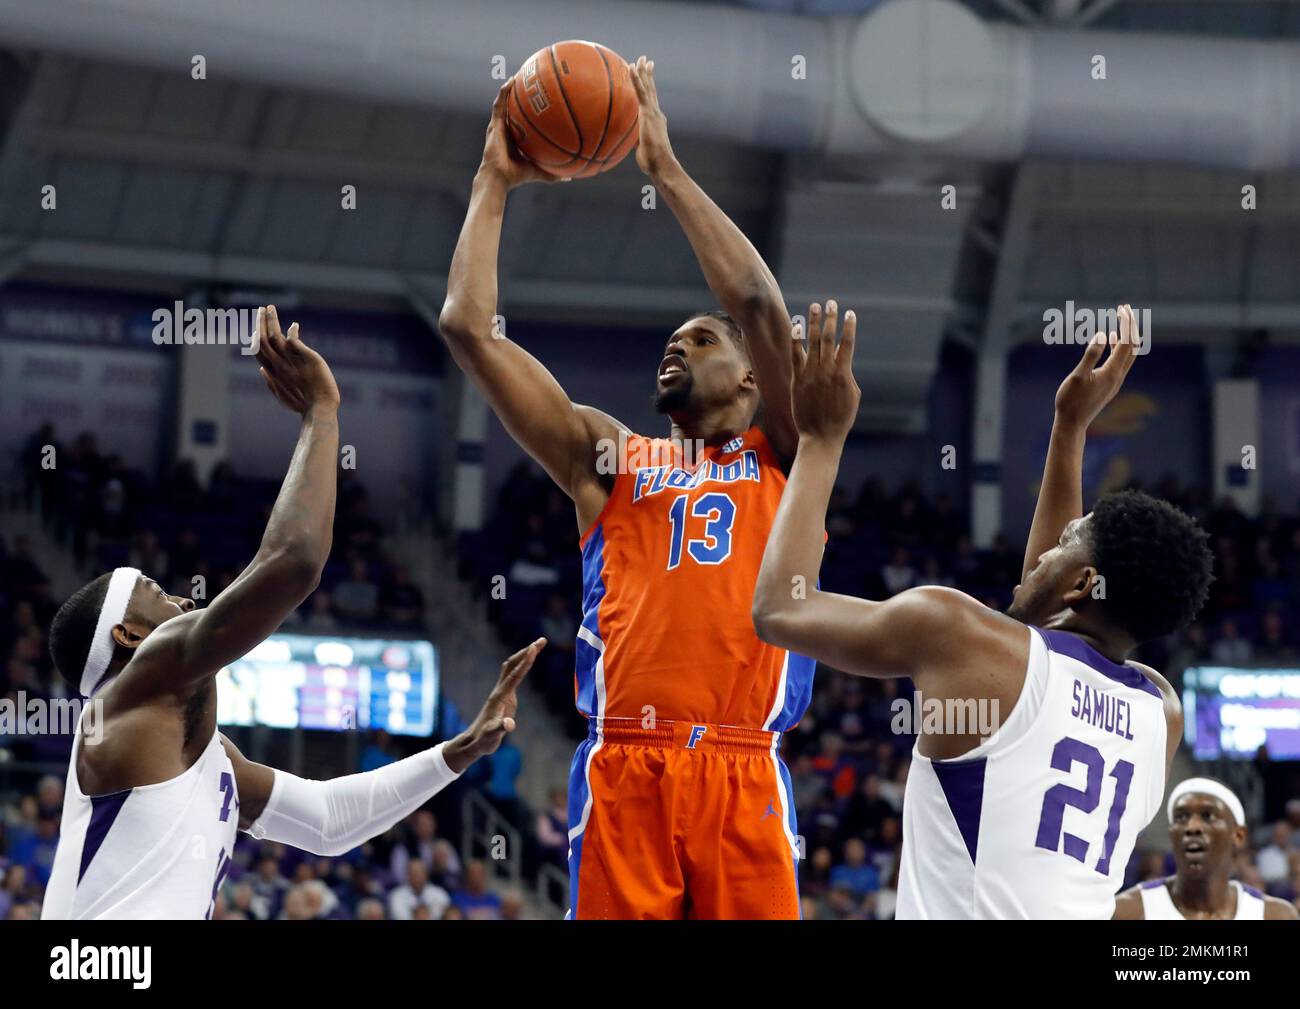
[669, 569]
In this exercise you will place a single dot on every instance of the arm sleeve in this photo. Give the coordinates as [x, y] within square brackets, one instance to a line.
[331, 817]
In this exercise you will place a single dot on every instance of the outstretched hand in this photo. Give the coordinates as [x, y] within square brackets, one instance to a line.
[653, 151]
[824, 393]
[1088, 388]
[296, 375]
[497, 716]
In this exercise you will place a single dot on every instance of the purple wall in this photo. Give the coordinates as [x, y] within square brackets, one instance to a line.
[1158, 425]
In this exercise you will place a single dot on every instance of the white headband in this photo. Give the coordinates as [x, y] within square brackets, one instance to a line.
[1208, 786]
[120, 587]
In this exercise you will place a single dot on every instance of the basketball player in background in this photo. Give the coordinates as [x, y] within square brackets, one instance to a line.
[1207, 830]
[155, 793]
[1039, 819]
[678, 803]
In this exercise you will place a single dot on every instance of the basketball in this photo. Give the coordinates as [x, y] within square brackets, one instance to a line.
[573, 110]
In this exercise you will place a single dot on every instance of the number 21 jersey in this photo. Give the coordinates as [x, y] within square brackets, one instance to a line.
[1040, 819]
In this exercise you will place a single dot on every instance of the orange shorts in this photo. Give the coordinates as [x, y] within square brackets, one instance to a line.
[681, 821]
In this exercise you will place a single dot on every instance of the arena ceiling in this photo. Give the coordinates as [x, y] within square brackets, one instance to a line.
[162, 186]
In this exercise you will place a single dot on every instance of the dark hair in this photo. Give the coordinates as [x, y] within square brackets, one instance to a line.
[73, 629]
[731, 325]
[1156, 561]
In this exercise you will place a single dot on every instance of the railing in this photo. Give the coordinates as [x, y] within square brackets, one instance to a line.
[552, 881]
[488, 835]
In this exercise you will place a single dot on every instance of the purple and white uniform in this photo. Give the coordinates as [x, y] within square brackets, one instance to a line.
[1040, 819]
[154, 851]
[1157, 905]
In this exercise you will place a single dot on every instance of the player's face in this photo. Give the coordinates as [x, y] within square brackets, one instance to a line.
[1055, 579]
[151, 606]
[1204, 835]
[701, 366]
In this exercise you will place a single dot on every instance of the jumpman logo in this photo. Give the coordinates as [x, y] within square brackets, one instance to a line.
[771, 811]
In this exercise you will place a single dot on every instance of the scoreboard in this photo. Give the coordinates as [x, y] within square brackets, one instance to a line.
[303, 681]
[1230, 711]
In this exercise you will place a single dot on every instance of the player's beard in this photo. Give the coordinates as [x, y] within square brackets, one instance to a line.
[1028, 607]
[676, 397]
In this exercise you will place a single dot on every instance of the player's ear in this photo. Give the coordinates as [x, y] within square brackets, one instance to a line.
[1081, 587]
[129, 635]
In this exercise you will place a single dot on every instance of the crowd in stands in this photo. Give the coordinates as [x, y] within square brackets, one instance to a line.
[848, 766]
[190, 536]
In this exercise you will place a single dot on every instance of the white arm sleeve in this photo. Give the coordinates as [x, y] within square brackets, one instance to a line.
[331, 817]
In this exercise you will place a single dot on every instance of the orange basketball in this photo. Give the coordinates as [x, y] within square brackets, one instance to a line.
[573, 110]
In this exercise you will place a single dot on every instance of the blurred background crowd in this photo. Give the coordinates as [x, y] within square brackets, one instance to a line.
[849, 767]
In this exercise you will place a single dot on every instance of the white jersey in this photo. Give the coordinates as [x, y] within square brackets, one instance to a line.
[1157, 905]
[1040, 819]
[150, 852]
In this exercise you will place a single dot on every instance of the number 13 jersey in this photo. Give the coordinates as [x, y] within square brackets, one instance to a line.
[1039, 820]
[669, 569]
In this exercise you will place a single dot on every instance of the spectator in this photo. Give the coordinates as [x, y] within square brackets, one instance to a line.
[402, 602]
[475, 900]
[419, 837]
[320, 616]
[552, 829]
[512, 906]
[356, 600]
[866, 810]
[378, 752]
[503, 773]
[416, 892]
[1231, 649]
[446, 866]
[899, 574]
[855, 873]
[147, 554]
[1273, 860]
[269, 886]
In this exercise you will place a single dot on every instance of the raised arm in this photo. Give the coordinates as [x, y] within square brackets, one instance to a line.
[288, 563]
[735, 272]
[854, 635]
[1081, 397]
[560, 435]
[916, 631]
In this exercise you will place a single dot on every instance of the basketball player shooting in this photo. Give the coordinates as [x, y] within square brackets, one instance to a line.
[678, 803]
[155, 793]
[1039, 819]
[1207, 829]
